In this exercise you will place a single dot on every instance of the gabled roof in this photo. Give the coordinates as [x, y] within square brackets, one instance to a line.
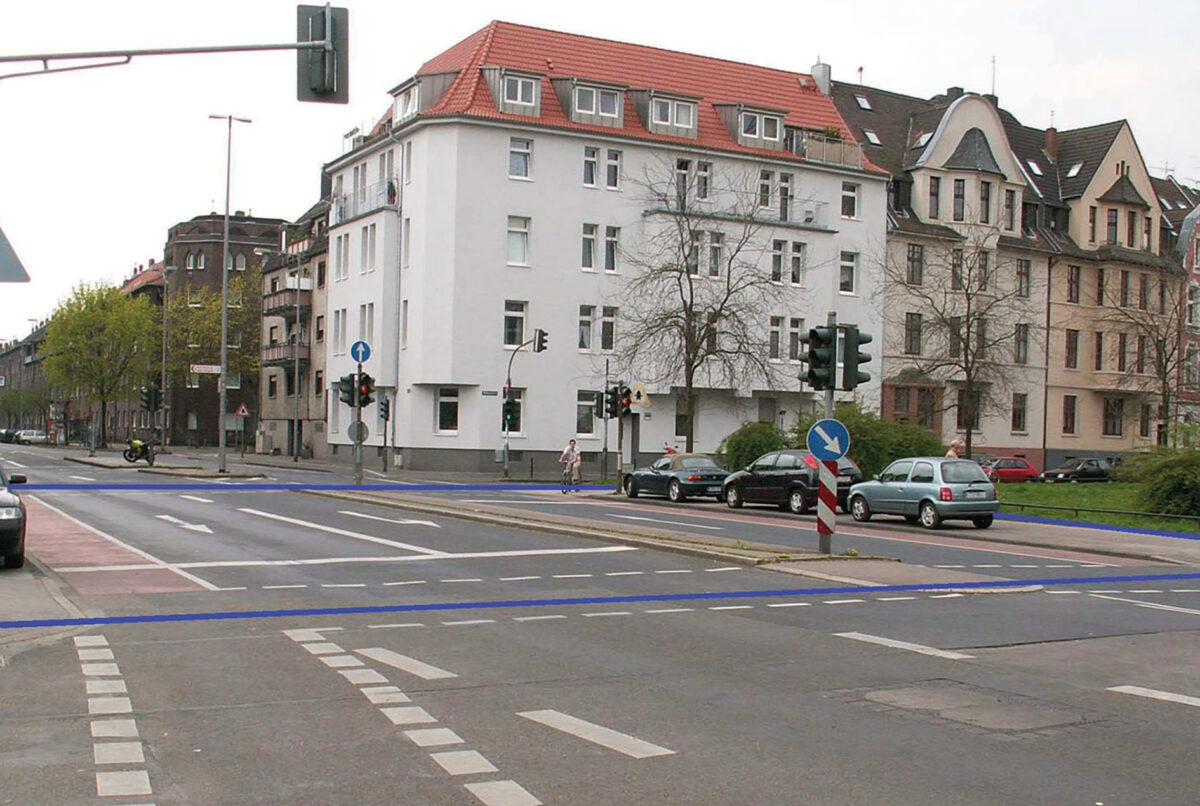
[1175, 199]
[554, 54]
[891, 117]
[1089, 146]
[1123, 192]
[1029, 144]
[974, 154]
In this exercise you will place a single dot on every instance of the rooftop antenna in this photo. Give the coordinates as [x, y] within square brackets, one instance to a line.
[1051, 118]
[860, 74]
[993, 75]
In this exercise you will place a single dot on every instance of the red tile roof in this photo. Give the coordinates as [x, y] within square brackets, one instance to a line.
[554, 54]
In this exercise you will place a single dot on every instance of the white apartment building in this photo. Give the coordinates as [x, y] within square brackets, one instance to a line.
[509, 190]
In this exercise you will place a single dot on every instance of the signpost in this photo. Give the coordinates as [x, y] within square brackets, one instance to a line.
[360, 351]
[828, 440]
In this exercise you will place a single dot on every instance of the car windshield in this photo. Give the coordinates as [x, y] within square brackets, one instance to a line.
[699, 462]
[962, 472]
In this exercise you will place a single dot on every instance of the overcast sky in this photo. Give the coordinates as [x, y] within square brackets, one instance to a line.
[96, 165]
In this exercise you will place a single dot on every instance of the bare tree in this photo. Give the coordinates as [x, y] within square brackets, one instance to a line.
[963, 314]
[695, 309]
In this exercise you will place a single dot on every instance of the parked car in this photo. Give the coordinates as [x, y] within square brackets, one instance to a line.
[31, 437]
[929, 489]
[787, 478]
[8, 434]
[678, 476]
[1011, 468]
[12, 521]
[1079, 470]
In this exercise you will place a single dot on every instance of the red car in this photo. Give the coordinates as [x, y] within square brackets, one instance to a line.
[1011, 468]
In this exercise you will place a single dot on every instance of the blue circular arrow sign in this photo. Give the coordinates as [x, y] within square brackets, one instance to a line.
[828, 440]
[360, 351]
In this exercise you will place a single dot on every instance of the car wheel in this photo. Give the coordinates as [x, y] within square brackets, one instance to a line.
[796, 503]
[16, 559]
[675, 492]
[983, 522]
[930, 518]
[733, 497]
[859, 509]
[631, 490]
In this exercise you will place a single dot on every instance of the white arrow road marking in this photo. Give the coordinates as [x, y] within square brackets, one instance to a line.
[1151, 605]
[597, 734]
[14, 464]
[82, 478]
[1155, 694]
[195, 527]
[831, 445]
[893, 643]
[344, 533]
[404, 521]
[673, 523]
[405, 663]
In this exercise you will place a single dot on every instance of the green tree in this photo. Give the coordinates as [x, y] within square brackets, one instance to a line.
[101, 342]
[194, 328]
[748, 443]
[874, 443]
[1168, 479]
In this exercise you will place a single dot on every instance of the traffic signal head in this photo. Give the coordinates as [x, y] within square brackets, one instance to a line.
[626, 399]
[612, 402]
[323, 74]
[385, 408]
[147, 399]
[366, 390]
[853, 357]
[821, 357]
[510, 412]
[346, 389]
[539, 340]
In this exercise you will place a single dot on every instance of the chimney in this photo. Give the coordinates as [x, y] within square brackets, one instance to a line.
[1052, 143]
[954, 93]
[822, 74]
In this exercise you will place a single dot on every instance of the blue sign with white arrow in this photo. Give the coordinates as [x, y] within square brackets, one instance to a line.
[360, 351]
[828, 440]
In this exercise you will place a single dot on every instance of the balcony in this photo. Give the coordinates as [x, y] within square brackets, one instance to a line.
[284, 355]
[819, 148]
[284, 301]
[364, 200]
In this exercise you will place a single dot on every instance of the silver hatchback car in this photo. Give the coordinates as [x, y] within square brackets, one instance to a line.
[929, 489]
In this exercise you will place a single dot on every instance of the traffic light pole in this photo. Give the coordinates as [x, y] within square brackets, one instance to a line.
[827, 476]
[358, 468]
[831, 323]
[604, 417]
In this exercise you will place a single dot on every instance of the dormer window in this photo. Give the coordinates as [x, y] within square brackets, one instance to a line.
[674, 113]
[756, 125]
[750, 124]
[518, 90]
[923, 140]
[872, 137]
[608, 103]
[1075, 169]
[585, 100]
[408, 103]
[863, 103]
[1037, 169]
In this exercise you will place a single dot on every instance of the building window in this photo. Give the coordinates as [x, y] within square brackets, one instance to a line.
[612, 175]
[1099, 350]
[591, 165]
[404, 324]
[586, 313]
[520, 158]
[1144, 425]
[318, 383]
[955, 328]
[935, 190]
[749, 124]
[320, 329]
[1072, 350]
[1130, 229]
[703, 180]
[683, 170]
[716, 243]
[1010, 209]
[1191, 367]
[799, 255]
[900, 396]
[795, 329]
[1122, 350]
[513, 426]
[1143, 291]
[514, 323]
[1146, 233]
[916, 263]
[518, 91]
[693, 255]
[1019, 405]
[1068, 414]
[518, 241]
[585, 100]
[985, 202]
[983, 270]
[765, 179]
[1162, 294]
[968, 409]
[193, 381]
[777, 251]
[612, 240]
[1193, 304]
[447, 410]
[1124, 289]
[681, 423]
[849, 200]
[588, 258]
[1112, 226]
[960, 199]
[585, 412]
[233, 380]
[321, 274]
[1114, 417]
[1141, 354]
[1024, 270]
[776, 336]
[608, 329]
[1021, 344]
[404, 243]
[925, 407]
[1099, 286]
[956, 270]
[609, 103]
[1091, 224]
[980, 336]
[912, 334]
[785, 197]
[1074, 274]
[848, 273]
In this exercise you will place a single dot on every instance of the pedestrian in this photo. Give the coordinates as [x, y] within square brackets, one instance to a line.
[956, 445]
[570, 457]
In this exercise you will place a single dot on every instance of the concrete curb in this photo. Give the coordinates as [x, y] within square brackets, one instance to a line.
[197, 472]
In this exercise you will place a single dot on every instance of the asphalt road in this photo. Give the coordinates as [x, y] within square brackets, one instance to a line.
[440, 660]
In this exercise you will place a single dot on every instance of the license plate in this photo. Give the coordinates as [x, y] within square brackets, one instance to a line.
[714, 489]
[976, 494]
[843, 479]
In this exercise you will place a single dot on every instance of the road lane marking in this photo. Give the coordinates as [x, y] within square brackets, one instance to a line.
[401, 521]
[114, 728]
[1185, 590]
[407, 582]
[724, 568]
[118, 753]
[344, 585]
[894, 644]
[1155, 694]
[394, 626]
[182, 524]
[405, 664]
[382, 695]
[945, 596]
[672, 523]
[842, 601]
[670, 610]
[502, 793]
[895, 598]
[791, 604]
[572, 576]
[1062, 593]
[323, 648]
[733, 607]
[341, 661]
[82, 478]
[1151, 605]
[610, 613]
[518, 579]
[343, 532]
[311, 634]
[100, 670]
[197, 499]
[597, 734]
[463, 762]
[464, 579]
[624, 573]
[433, 737]
[362, 677]
[106, 687]
[468, 622]
[95, 654]
[281, 587]
[1146, 590]
[91, 640]
[122, 784]
[15, 464]
[675, 571]
[109, 705]
[408, 715]
[538, 618]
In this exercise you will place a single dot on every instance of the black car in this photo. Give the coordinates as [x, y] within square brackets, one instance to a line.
[12, 522]
[677, 476]
[8, 435]
[1079, 470]
[787, 478]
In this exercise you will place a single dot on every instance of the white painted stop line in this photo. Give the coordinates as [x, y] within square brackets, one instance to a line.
[597, 734]
[894, 644]
[1154, 694]
[405, 663]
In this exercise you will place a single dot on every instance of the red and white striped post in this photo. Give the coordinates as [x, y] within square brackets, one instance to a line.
[826, 504]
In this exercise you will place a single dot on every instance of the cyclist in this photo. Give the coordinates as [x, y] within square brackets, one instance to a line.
[570, 457]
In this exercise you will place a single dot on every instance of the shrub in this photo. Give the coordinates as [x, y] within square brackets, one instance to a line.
[1169, 480]
[874, 443]
[748, 443]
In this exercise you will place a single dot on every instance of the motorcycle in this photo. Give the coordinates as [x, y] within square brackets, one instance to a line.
[139, 449]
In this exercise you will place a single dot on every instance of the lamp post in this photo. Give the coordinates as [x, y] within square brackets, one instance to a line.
[296, 367]
[226, 265]
[162, 441]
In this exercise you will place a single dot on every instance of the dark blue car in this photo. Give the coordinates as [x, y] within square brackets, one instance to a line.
[678, 476]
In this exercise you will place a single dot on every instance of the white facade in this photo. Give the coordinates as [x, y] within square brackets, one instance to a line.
[456, 238]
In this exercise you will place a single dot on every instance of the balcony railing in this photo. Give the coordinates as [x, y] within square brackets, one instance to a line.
[280, 355]
[283, 302]
[364, 200]
[819, 148]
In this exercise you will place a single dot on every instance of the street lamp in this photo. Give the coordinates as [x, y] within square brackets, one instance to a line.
[162, 440]
[226, 265]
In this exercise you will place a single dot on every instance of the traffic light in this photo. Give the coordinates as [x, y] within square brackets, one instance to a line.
[626, 400]
[346, 389]
[821, 357]
[852, 358]
[539, 340]
[323, 75]
[147, 398]
[385, 408]
[510, 411]
[366, 390]
[157, 402]
[612, 402]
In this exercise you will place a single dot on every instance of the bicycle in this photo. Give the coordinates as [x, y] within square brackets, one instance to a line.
[571, 478]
